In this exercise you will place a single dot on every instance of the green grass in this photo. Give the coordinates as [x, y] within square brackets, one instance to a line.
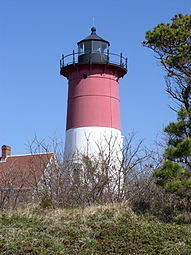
[111, 229]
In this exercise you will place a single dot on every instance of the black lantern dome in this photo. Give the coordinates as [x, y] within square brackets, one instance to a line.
[93, 49]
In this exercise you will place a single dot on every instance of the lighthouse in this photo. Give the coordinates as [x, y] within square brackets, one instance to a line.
[93, 104]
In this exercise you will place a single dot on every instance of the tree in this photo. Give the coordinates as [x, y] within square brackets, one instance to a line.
[172, 45]
[175, 173]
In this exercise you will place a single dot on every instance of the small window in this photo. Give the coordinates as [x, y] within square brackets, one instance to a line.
[96, 46]
[81, 48]
[99, 46]
[104, 47]
[87, 47]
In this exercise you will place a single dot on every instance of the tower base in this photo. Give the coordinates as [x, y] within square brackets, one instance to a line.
[93, 140]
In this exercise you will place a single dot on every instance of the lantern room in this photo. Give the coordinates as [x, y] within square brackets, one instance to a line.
[93, 49]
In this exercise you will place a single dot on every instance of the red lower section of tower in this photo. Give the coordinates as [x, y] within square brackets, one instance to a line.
[93, 97]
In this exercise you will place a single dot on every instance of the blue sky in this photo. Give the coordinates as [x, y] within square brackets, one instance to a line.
[34, 34]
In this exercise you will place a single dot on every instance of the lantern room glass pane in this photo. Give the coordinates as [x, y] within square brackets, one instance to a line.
[81, 48]
[92, 46]
[87, 47]
[104, 47]
[98, 46]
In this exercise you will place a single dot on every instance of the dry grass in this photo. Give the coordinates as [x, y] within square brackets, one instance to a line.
[109, 229]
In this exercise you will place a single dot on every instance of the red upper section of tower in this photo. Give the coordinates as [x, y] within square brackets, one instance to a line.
[93, 98]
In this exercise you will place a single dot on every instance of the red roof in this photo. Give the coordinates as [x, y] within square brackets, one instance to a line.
[23, 171]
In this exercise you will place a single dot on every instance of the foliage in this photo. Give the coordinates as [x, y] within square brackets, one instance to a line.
[111, 229]
[175, 173]
[172, 44]
[85, 179]
[46, 202]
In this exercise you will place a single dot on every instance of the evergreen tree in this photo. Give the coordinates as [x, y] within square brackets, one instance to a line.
[172, 44]
[175, 173]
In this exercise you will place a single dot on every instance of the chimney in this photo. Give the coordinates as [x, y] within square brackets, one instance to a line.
[6, 151]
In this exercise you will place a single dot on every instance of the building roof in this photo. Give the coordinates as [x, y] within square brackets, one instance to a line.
[23, 171]
[93, 37]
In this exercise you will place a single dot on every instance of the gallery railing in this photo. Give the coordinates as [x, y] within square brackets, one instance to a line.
[104, 58]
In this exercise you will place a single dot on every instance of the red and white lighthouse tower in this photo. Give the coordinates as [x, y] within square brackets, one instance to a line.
[93, 113]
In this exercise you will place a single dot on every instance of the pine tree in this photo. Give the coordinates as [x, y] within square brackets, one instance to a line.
[171, 43]
[175, 173]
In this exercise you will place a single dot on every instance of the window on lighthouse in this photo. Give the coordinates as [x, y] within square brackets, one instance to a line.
[92, 46]
[81, 49]
[87, 47]
[84, 48]
[98, 46]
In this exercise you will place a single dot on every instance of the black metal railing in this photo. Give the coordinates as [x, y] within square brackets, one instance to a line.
[109, 58]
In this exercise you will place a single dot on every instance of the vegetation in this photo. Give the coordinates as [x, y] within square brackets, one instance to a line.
[172, 45]
[175, 173]
[109, 229]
